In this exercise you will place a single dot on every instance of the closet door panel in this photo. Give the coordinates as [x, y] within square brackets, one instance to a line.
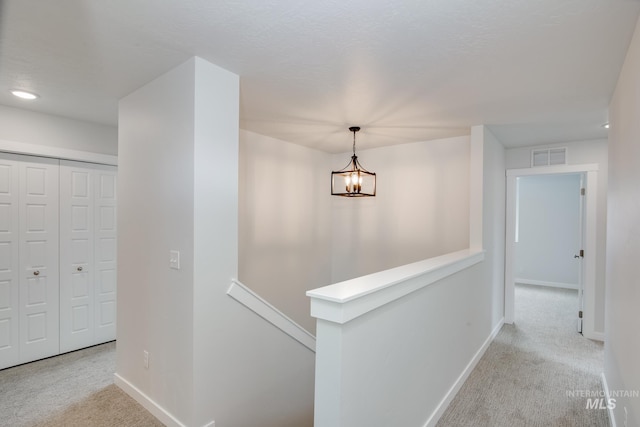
[57, 257]
[76, 256]
[105, 277]
[9, 263]
[39, 290]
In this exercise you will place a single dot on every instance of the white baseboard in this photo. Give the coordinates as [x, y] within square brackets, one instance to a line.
[597, 336]
[549, 284]
[605, 387]
[444, 403]
[156, 410]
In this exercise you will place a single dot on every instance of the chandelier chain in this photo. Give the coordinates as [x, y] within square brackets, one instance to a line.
[354, 142]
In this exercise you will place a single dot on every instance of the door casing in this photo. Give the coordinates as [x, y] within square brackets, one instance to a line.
[590, 172]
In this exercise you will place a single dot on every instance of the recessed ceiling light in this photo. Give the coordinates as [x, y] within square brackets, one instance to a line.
[24, 94]
[606, 125]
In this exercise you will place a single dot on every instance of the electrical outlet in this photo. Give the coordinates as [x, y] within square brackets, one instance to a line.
[146, 359]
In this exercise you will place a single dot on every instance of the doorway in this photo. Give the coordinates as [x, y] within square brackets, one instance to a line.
[583, 271]
[548, 241]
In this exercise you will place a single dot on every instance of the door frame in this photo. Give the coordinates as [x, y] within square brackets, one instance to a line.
[38, 150]
[590, 172]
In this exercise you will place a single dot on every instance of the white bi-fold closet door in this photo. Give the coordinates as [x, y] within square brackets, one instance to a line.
[87, 254]
[57, 257]
[29, 286]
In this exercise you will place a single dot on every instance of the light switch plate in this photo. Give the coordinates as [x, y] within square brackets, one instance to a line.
[174, 259]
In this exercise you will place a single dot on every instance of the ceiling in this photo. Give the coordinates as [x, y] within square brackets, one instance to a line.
[408, 70]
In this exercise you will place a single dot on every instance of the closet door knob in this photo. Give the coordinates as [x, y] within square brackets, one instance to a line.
[36, 273]
[80, 268]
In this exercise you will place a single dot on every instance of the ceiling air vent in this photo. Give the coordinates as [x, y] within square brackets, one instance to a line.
[548, 156]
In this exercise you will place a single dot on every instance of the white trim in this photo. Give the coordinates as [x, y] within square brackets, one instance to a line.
[590, 261]
[56, 153]
[262, 308]
[573, 286]
[605, 387]
[156, 410]
[553, 170]
[345, 301]
[591, 173]
[596, 336]
[455, 388]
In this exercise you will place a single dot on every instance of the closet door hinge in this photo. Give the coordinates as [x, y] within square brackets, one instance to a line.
[583, 191]
[580, 314]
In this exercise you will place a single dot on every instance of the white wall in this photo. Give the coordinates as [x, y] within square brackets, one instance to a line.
[284, 222]
[390, 371]
[155, 215]
[493, 224]
[54, 131]
[578, 153]
[295, 236]
[622, 346]
[210, 358]
[421, 208]
[548, 230]
[397, 364]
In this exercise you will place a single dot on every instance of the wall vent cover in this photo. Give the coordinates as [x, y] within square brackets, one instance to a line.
[548, 156]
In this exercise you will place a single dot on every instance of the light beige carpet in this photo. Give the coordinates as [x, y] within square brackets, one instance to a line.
[105, 408]
[74, 389]
[528, 374]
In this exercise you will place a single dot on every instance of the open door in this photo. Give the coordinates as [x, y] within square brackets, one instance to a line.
[579, 256]
[587, 268]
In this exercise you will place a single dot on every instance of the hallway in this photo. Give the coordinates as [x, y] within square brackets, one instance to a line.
[537, 372]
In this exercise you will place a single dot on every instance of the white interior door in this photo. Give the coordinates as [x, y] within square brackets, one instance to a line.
[580, 252]
[9, 263]
[76, 256]
[88, 255]
[39, 292]
[105, 259]
[57, 257]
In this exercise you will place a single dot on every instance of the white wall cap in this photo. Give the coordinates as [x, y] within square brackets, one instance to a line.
[344, 301]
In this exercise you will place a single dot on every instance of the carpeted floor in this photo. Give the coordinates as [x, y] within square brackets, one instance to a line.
[533, 372]
[74, 389]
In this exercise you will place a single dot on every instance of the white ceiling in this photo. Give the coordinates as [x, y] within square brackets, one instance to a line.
[536, 71]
